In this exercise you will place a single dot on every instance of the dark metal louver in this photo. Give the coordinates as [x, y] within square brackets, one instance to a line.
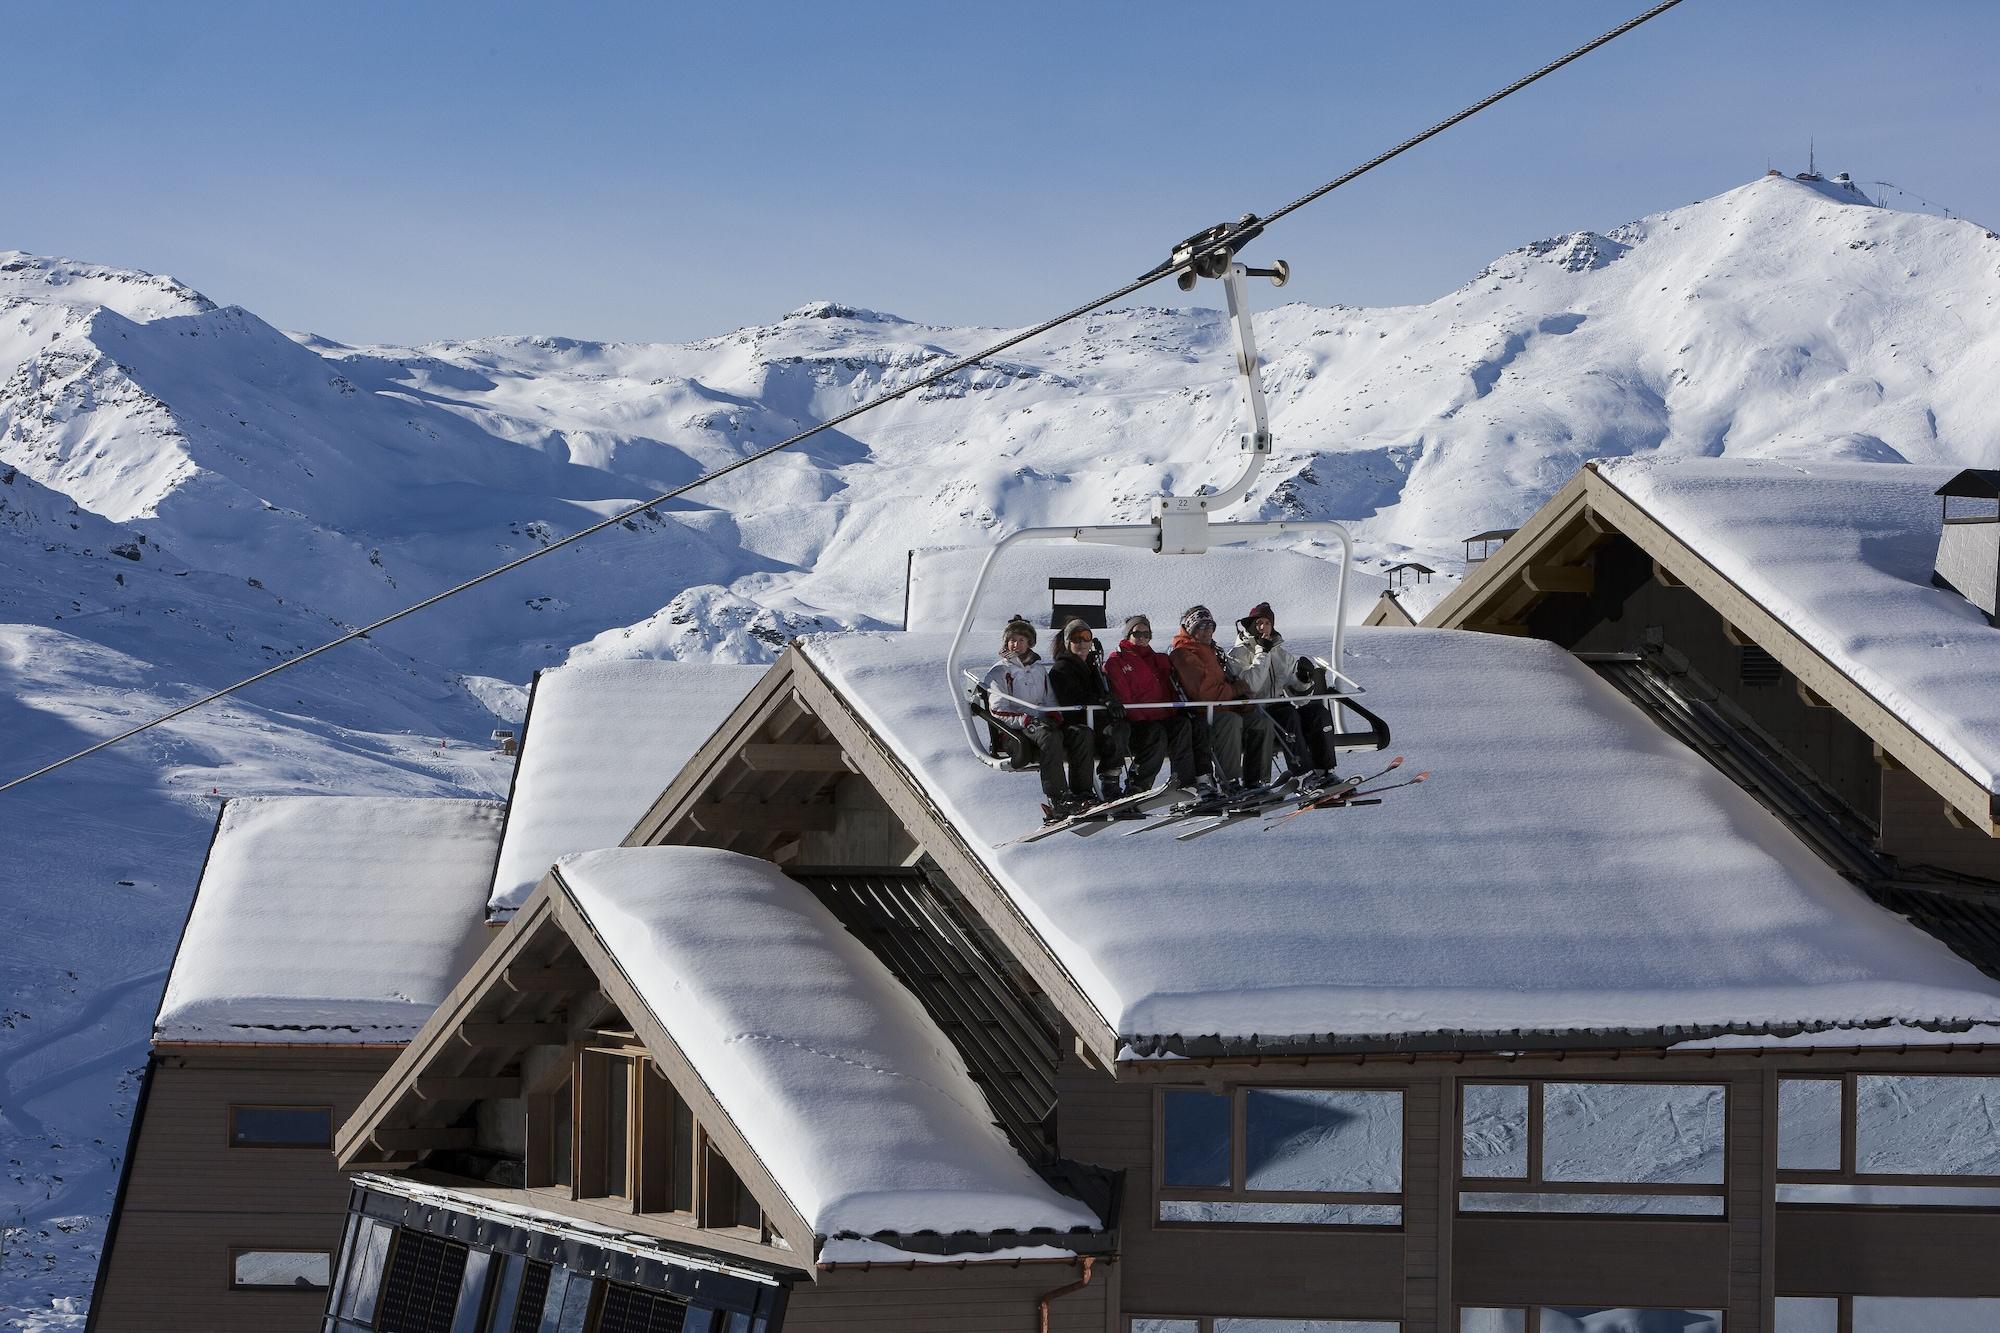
[631, 1310]
[534, 1295]
[1010, 1050]
[1757, 667]
[421, 1289]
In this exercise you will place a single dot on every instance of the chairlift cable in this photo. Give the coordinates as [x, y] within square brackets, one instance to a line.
[1225, 239]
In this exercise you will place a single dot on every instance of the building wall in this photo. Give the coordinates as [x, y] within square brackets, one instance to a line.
[190, 1198]
[1442, 1259]
[974, 1298]
[1916, 827]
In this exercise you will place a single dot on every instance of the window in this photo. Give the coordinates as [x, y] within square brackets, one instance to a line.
[1570, 1147]
[1281, 1156]
[605, 1120]
[1231, 1323]
[1589, 1319]
[1915, 1140]
[280, 1270]
[1886, 1314]
[725, 1203]
[281, 1126]
[367, 1255]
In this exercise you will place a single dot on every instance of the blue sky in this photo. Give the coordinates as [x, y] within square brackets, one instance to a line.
[393, 172]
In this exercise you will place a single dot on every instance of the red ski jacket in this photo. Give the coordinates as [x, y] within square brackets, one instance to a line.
[1138, 675]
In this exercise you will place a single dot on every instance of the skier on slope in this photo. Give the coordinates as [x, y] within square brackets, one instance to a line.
[1017, 686]
[1269, 670]
[1076, 681]
[1138, 676]
[1239, 735]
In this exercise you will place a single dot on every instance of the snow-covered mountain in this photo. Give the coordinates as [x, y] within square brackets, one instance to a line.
[188, 494]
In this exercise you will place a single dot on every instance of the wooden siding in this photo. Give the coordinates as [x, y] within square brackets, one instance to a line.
[190, 1198]
[1441, 1259]
[1916, 827]
[974, 1298]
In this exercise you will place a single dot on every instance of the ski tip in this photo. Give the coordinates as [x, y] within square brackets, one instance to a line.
[1394, 762]
[1421, 776]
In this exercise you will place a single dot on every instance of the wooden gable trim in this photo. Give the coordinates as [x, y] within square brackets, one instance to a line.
[1496, 586]
[381, 1124]
[939, 839]
[715, 756]
[1806, 663]
[785, 1219]
[796, 682]
[527, 926]
[1500, 589]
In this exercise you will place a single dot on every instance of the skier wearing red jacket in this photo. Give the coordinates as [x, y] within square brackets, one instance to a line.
[1138, 676]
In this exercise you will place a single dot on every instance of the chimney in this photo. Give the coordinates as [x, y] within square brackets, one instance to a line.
[1968, 556]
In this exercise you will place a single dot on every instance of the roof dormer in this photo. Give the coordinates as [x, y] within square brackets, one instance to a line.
[1968, 554]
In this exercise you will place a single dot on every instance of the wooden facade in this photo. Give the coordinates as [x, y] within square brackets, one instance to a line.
[191, 1199]
[1450, 1248]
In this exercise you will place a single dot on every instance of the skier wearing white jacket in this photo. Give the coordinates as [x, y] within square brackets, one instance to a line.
[1018, 691]
[1269, 670]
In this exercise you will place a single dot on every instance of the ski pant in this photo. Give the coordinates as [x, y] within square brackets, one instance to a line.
[1066, 748]
[1306, 731]
[1114, 747]
[1154, 743]
[1241, 745]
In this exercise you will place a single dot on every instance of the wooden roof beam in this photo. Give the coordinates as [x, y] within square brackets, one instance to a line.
[760, 817]
[806, 757]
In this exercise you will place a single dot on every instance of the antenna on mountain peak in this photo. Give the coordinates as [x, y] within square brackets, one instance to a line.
[1812, 156]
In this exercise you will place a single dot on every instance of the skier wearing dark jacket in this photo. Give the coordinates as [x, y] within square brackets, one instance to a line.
[1077, 681]
[1139, 676]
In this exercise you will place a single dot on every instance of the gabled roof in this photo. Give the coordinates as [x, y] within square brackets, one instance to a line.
[331, 919]
[838, 1079]
[830, 1091]
[1569, 872]
[1974, 483]
[601, 741]
[1826, 566]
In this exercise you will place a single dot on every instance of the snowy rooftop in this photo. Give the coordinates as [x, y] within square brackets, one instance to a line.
[1568, 867]
[603, 741]
[1841, 553]
[839, 1081]
[339, 919]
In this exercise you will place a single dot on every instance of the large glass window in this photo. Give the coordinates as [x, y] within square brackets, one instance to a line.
[292, 1270]
[1231, 1323]
[1887, 1314]
[1563, 1146]
[1281, 1156]
[1589, 1319]
[1913, 1140]
[280, 1126]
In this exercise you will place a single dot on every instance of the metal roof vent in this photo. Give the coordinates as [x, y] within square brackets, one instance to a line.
[1968, 557]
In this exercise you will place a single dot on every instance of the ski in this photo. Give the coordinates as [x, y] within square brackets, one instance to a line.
[1141, 802]
[1245, 807]
[1359, 796]
[1212, 805]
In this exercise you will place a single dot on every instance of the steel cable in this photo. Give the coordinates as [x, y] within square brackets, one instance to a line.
[1146, 279]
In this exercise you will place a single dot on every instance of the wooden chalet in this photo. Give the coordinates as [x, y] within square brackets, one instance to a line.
[323, 931]
[1588, 1034]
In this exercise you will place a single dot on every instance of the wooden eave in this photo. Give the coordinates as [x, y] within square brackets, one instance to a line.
[1496, 595]
[795, 704]
[550, 927]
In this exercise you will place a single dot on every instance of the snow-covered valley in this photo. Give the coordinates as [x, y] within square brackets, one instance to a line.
[188, 495]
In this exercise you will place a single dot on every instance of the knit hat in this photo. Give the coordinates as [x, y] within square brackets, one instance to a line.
[1262, 609]
[1018, 625]
[1196, 616]
[1133, 622]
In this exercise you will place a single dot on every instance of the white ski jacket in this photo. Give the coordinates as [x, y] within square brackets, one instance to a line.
[1267, 673]
[1023, 679]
